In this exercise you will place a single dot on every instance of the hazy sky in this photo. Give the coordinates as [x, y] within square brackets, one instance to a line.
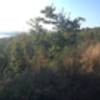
[15, 13]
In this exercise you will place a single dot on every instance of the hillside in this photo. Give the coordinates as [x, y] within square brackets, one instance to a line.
[61, 64]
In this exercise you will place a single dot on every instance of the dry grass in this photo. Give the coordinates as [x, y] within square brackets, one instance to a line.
[90, 57]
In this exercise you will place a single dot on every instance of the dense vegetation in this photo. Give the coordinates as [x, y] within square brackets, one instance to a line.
[58, 64]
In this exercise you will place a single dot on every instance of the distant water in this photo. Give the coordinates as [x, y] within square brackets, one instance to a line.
[4, 36]
[7, 34]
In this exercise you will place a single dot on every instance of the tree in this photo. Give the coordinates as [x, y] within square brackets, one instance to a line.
[61, 22]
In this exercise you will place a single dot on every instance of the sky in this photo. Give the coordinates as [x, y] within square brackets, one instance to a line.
[89, 9]
[15, 13]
